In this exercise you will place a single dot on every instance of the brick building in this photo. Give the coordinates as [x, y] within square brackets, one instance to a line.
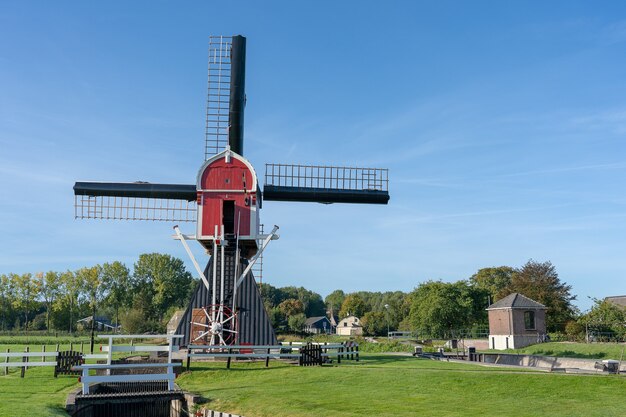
[516, 321]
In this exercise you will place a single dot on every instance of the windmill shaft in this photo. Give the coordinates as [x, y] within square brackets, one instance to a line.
[137, 189]
[237, 94]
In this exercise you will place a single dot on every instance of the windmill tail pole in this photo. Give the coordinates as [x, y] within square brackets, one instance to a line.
[237, 94]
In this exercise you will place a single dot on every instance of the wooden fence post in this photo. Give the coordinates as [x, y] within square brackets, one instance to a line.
[229, 358]
[267, 359]
[24, 359]
[57, 348]
[6, 369]
[43, 350]
[71, 346]
[357, 352]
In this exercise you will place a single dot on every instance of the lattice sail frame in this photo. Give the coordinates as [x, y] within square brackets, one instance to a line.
[327, 177]
[134, 208]
[218, 95]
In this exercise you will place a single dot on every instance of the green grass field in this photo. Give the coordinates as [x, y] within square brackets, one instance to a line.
[380, 384]
[388, 385]
[37, 394]
[573, 350]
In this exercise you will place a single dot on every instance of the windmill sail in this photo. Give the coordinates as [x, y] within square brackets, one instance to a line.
[226, 95]
[135, 201]
[326, 184]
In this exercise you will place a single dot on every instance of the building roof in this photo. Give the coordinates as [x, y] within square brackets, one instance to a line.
[312, 320]
[353, 321]
[618, 300]
[516, 300]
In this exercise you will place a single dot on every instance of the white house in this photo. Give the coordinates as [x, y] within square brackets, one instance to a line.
[350, 326]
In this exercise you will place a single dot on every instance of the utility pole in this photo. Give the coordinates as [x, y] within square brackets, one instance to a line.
[387, 315]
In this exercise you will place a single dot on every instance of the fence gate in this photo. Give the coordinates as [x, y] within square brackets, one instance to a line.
[65, 361]
[310, 355]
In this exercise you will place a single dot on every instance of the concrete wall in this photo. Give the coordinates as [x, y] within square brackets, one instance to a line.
[547, 362]
[510, 341]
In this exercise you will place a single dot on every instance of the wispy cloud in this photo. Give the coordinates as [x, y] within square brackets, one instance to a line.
[612, 120]
[590, 167]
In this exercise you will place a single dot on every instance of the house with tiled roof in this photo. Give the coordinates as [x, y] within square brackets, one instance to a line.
[516, 321]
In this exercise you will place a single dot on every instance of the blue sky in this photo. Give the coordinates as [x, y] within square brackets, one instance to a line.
[502, 123]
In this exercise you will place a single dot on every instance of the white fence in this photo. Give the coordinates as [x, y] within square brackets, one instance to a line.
[285, 350]
[108, 350]
[86, 380]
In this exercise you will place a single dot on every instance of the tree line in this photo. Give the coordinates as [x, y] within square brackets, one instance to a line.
[440, 309]
[144, 298]
[140, 300]
[433, 308]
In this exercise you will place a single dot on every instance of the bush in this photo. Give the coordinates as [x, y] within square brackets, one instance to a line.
[38, 323]
[574, 330]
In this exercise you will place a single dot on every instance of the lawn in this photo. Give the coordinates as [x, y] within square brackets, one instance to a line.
[386, 385]
[37, 394]
[572, 350]
[380, 384]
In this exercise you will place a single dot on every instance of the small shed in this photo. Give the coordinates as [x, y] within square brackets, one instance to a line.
[516, 321]
[318, 325]
[350, 326]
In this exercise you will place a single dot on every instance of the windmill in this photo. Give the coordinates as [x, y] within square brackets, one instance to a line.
[225, 204]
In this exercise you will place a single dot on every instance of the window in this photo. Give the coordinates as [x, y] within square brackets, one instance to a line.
[529, 320]
[345, 324]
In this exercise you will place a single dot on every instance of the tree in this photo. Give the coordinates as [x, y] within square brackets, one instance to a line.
[374, 323]
[91, 279]
[6, 301]
[605, 317]
[493, 280]
[276, 317]
[50, 284]
[540, 282]
[398, 308]
[271, 295]
[291, 307]
[296, 322]
[312, 302]
[71, 290]
[160, 282]
[334, 300]
[116, 280]
[439, 308]
[353, 305]
[26, 292]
